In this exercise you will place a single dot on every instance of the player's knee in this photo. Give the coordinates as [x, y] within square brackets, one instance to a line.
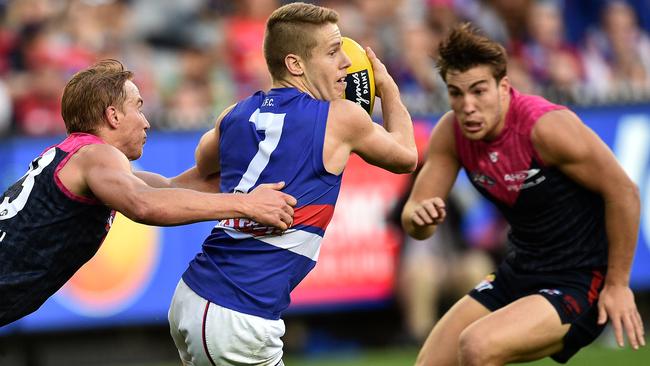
[474, 348]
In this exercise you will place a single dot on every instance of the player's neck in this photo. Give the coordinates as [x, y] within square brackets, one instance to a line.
[292, 83]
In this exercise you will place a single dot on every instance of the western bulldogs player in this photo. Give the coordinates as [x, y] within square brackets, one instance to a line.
[227, 308]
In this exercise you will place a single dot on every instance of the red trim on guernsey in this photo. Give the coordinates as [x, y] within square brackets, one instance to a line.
[71, 145]
[314, 215]
[205, 343]
[596, 281]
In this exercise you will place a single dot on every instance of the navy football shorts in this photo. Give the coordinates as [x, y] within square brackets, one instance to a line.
[573, 293]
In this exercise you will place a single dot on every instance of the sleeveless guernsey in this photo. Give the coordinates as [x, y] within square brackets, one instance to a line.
[47, 232]
[555, 223]
[268, 138]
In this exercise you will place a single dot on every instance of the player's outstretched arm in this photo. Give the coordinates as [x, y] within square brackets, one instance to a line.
[562, 140]
[107, 174]
[190, 179]
[425, 208]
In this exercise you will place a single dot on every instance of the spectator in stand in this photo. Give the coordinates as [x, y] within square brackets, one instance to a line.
[189, 102]
[617, 54]
[553, 63]
[520, 78]
[244, 35]
[485, 16]
[513, 14]
[38, 111]
[5, 110]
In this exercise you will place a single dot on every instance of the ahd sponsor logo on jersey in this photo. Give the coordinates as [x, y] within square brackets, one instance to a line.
[523, 179]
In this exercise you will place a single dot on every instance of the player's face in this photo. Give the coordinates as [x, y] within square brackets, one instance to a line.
[133, 123]
[325, 70]
[478, 101]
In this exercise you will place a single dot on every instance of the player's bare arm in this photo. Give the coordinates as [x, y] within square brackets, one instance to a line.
[204, 176]
[190, 179]
[106, 174]
[562, 140]
[425, 208]
[350, 129]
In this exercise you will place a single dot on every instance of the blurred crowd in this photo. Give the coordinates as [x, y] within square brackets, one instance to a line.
[193, 58]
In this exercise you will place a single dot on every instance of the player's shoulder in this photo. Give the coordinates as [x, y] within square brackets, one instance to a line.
[95, 155]
[348, 112]
[560, 135]
[223, 115]
[444, 128]
[443, 138]
[447, 119]
[556, 124]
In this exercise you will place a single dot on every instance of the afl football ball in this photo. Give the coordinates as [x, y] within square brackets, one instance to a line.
[360, 80]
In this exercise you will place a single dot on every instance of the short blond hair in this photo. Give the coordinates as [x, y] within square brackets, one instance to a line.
[290, 30]
[90, 92]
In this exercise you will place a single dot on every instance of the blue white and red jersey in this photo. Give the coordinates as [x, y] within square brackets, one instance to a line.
[268, 138]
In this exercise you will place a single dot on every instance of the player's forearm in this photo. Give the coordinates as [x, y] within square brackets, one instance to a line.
[189, 179]
[173, 206]
[192, 179]
[622, 222]
[397, 121]
[153, 179]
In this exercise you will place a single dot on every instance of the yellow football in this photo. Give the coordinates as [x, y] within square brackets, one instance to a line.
[360, 80]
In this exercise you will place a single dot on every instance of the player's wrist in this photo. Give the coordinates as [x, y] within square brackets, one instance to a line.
[242, 204]
[388, 90]
[614, 279]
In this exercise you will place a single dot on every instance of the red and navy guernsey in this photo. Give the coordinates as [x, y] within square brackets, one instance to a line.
[555, 223]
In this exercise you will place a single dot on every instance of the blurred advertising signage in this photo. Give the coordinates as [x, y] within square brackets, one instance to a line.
[132, 278]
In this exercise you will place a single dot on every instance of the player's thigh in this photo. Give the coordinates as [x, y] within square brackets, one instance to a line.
[209, 334]
[441, 347]
[185, 314]
[528, 328]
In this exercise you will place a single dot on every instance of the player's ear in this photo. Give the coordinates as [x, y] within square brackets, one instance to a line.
[504, 84]
[110, 114]
[294, 64]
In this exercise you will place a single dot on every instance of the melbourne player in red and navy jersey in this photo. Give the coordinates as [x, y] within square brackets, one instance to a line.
[227, 307]
[54, 219]
[573, 213]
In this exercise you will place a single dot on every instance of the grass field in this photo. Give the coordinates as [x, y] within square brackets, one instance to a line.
[595, 355]
[592, 356]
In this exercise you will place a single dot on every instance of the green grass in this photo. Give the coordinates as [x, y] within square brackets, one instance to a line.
[597, 355]
[594, 355]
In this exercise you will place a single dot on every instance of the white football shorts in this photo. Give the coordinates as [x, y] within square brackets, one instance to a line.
[207, 334]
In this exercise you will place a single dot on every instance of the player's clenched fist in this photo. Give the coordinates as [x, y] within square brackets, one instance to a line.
[429, 212]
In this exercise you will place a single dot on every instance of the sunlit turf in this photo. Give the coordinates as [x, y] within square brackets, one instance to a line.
[594, 355]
